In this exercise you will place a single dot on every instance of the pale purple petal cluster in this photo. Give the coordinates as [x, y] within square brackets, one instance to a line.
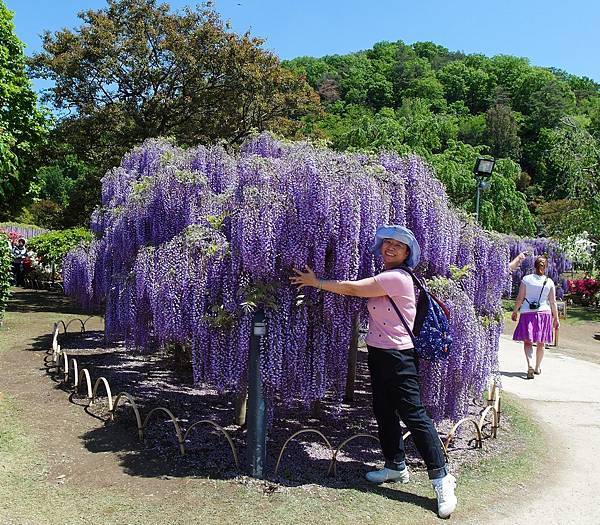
[190, 240]
[558, 261]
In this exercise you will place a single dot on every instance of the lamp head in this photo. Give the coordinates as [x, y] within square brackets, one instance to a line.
[484, 167]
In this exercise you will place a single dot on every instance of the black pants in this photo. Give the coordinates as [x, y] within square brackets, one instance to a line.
[18, 273]
[394, 380]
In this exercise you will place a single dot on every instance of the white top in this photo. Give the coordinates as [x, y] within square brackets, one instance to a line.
[533, 286]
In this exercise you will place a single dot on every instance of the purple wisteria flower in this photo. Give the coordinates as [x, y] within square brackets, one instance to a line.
[189, 241]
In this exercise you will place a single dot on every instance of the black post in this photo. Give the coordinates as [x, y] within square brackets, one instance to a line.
[477, 199]
[255, 418]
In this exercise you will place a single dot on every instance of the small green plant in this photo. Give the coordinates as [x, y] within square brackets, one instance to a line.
[260, 294]
[220, 318]
[457, 274]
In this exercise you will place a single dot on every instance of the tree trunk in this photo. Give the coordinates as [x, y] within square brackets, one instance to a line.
[352, 357]
[240, 407]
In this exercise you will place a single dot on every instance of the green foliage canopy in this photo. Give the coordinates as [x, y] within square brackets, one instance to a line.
[54, 245]
[135, 69]
[449, 107]
[23, 126]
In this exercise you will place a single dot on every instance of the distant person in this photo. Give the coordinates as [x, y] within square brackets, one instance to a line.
[536, 303]
[392, 361]
[19, 253]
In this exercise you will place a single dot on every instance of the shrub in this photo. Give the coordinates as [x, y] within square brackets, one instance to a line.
[51, 247]
[584, 290]
[5, 273]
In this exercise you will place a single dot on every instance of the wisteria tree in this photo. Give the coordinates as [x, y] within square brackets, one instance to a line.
[189, 241]
[559, 261]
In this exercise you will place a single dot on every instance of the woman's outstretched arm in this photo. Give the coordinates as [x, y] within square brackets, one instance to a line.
[362, 288]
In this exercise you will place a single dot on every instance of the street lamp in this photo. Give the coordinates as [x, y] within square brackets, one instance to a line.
[482, 170]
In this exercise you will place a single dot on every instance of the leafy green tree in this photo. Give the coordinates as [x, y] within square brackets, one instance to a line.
[471, 129]
[360, 129]
[47, 213]
[506, 209]
[575, 157]
[502, 132]
[313, 69]
[503, 208]
[583, 87]
[471, 84]
[363, 77]
[543, 99]
[592, 110]
[426, 131]
[380, 91]
[410, 69]
[438, 56]
[427, 88]
[135, 70]
[58, 179]
[509, 71]
[23, 126]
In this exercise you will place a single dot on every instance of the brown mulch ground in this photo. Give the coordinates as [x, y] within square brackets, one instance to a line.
[158, 380]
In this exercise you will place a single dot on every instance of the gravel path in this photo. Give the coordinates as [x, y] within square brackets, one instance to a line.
[565, 399]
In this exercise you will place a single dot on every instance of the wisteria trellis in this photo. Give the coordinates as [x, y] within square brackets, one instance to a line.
[187, 238]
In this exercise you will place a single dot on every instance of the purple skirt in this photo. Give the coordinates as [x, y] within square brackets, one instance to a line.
[534, 327]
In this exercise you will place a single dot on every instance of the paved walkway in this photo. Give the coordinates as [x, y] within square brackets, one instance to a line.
[565, 398]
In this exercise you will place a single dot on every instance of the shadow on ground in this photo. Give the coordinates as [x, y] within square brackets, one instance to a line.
[159, 379]
[32, 301]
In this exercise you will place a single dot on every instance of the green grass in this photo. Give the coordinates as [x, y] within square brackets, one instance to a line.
[501, 474]
[8, 433]
[27, 495]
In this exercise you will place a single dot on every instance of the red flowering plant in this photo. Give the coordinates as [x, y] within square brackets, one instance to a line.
[584, 291]
[13, 237]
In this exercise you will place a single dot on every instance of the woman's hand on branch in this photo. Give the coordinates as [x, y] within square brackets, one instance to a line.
[514, 316]
[304, 278]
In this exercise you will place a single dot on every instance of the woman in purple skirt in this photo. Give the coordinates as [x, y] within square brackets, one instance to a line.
[536, 302]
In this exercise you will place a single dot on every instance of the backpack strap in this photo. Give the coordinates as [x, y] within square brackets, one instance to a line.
[423, 289]
[406, 327]
[541, 291]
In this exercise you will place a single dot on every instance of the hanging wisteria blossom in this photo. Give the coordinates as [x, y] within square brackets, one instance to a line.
[189, 240]
[558, 261]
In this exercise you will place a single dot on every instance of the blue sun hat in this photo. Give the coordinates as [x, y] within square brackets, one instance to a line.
[401, 234]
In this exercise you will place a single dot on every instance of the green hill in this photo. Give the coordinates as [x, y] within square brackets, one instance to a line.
[544, 125]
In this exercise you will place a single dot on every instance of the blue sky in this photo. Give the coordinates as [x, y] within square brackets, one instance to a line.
[548, 32]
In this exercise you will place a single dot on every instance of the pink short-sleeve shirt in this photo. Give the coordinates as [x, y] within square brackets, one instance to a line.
[385, 327]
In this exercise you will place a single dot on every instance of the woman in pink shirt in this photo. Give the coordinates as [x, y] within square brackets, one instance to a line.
[393, 362]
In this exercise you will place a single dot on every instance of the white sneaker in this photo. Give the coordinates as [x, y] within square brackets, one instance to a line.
[387, 474]
[446, 499]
